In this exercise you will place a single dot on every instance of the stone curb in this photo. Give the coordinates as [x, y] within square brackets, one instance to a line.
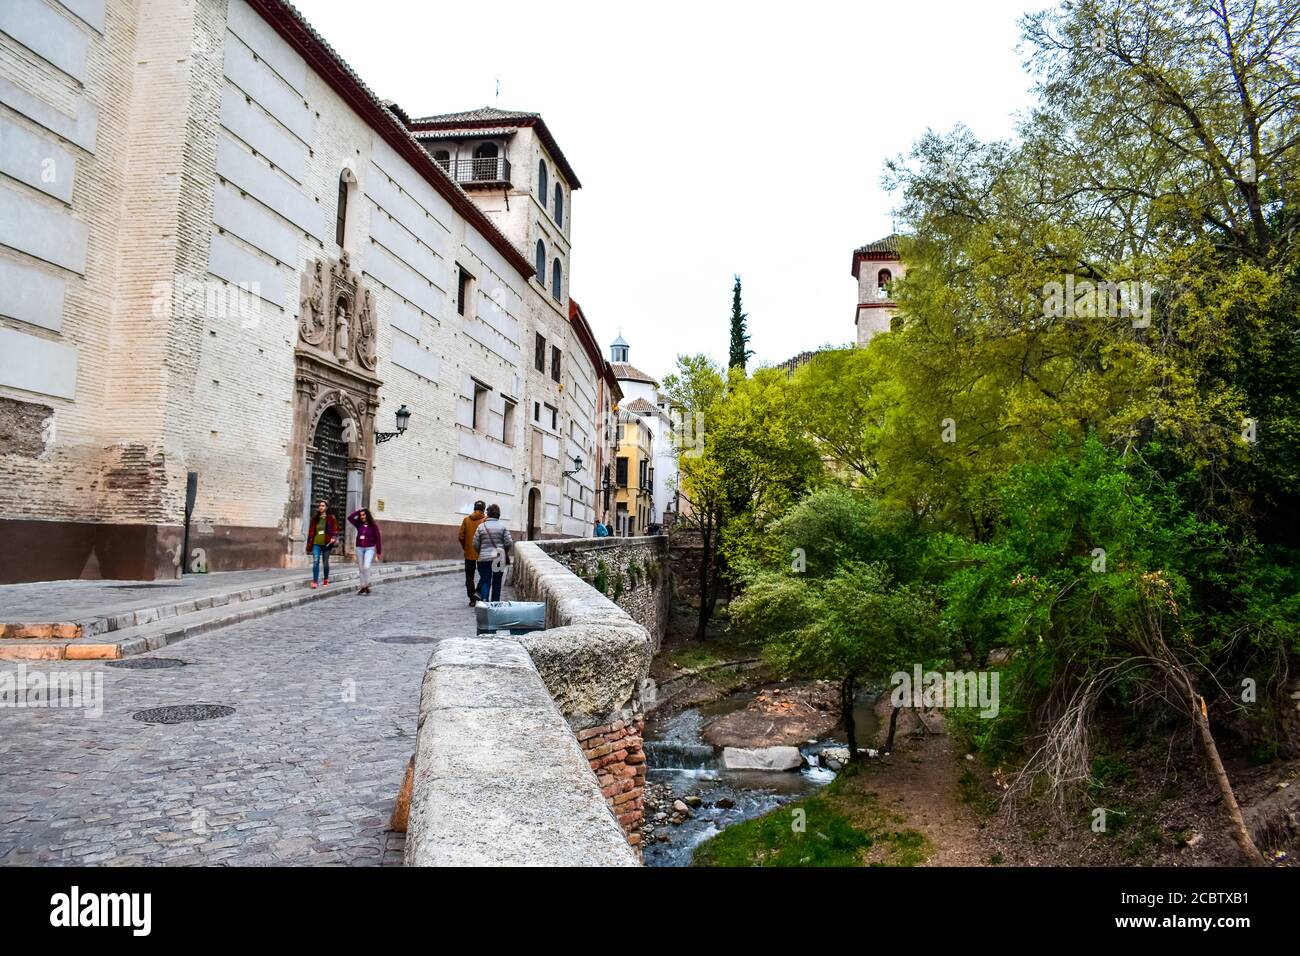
[35, 650]
[95, 626]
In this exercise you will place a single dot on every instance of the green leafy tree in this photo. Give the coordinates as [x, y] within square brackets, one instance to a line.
[745, 469]
[857, 624]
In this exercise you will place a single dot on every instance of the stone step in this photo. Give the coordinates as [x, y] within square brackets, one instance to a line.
[158, 633]
[99, 626]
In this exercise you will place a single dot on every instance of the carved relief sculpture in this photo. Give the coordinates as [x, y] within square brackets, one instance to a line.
[334, 360]
[367, 346]
[313, 325]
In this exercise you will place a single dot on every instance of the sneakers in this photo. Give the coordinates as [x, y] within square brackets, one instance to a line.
[313, 585]
[326, 583]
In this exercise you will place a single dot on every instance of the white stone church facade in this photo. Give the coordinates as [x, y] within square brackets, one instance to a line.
[225, 265]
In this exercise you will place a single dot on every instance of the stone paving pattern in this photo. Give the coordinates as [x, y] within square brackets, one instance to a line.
[299, 775]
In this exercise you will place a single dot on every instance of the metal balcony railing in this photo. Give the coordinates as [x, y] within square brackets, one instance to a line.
[488, 169]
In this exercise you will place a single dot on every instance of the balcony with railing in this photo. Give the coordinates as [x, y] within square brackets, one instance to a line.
[481, 170]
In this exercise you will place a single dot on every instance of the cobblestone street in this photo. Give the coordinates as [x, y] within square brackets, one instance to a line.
[304, 772]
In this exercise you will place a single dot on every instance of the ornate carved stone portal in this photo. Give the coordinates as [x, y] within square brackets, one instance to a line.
[337, 396]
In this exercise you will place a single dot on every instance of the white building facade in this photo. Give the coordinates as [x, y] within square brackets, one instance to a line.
[642, 398]
[225, 265]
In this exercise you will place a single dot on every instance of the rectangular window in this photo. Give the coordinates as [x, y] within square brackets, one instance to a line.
[539, 353]
[620, 472]
[537, 411]
[508, 422]
[642, 473]
[554, 417]
[555, 364]
[464, 286]
[479, 420]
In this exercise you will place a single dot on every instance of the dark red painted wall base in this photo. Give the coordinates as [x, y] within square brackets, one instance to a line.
[70, 550]
[63, 550]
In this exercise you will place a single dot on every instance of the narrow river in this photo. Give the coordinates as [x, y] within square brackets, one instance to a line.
[678, 758]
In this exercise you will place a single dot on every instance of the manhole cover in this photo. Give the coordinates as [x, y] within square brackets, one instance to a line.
[408, 639]
[146, 663]
[182, 713]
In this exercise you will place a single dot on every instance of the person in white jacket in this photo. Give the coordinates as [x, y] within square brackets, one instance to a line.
[493, 543]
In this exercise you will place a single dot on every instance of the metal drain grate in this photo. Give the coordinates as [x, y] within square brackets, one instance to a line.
[146, 663]
[182, 713]
[408, 639]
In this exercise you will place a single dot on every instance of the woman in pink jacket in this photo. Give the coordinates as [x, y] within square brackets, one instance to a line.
[369, 545]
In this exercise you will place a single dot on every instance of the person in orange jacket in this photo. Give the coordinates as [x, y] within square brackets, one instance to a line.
[466, 537]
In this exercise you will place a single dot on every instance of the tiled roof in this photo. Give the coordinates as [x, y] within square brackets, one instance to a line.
[641, 407]
[888, 244]
[465, 133]
[489, 113]
[630, 373]
[881, 249]
[493, 117]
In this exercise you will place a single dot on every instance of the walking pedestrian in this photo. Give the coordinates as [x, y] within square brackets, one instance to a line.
[322, 532]
[493, 542]
[601, 530]
[469, 524]
[369, 545]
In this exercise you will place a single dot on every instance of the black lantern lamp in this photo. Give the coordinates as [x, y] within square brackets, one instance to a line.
[403, 417]
[577, 467]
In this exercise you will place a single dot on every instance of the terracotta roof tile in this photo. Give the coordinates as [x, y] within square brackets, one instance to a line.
[465, 133]
[888, 244]
[477, 116]
[630, 373]
[491, 116]
[641, 407]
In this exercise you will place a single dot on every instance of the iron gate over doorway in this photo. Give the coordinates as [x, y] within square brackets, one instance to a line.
[329, 468]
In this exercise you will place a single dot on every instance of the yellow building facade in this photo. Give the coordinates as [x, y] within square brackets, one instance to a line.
[633, 476]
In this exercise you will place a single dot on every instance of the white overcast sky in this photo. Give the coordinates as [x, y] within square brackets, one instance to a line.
[712, 138]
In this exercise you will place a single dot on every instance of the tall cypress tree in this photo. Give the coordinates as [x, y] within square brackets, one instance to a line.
[739, 337]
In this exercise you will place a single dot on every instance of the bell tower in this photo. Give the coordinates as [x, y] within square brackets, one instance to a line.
[876, 265]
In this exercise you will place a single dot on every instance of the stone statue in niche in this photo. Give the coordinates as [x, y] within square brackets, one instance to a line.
[341, 333]
[312, 323]
[367, 347]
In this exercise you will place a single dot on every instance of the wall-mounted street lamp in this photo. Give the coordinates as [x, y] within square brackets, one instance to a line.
[577, 467]
[403, 417]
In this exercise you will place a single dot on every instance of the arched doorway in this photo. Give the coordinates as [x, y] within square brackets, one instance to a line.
[328, 454]
[534, 525]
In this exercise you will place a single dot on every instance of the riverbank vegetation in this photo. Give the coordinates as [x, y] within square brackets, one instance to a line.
[838, 826]
[1093, 496]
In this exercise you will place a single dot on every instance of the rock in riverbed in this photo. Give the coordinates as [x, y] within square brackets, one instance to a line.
[762, 758]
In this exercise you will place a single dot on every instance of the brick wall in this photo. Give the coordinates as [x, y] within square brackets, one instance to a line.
[617, 758]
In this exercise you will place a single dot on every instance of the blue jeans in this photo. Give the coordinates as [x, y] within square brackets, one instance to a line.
[319, 552]
[489, 582]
